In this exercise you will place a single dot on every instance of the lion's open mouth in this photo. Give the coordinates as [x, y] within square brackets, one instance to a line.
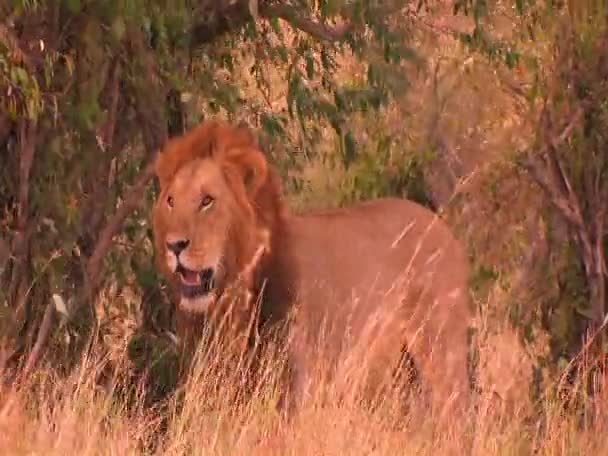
[195, 283]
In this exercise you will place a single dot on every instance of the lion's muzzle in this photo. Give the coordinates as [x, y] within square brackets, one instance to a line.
[194, 283]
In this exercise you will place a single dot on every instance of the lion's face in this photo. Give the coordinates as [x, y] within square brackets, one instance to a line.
[195, 221]
[215, 205]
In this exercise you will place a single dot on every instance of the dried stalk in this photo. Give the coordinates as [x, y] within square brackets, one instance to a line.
[44, 332]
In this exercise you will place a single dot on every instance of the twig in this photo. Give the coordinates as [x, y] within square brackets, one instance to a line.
[570, 214]
[567, 131]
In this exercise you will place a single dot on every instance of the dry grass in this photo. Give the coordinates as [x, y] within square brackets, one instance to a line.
[74, 415]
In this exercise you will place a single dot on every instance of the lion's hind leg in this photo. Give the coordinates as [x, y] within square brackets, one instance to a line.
[438, 344]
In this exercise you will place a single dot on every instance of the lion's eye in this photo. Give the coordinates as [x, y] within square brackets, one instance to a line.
[170, 201]
[206, 201]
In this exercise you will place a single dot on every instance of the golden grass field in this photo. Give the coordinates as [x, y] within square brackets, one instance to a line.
[76, 415]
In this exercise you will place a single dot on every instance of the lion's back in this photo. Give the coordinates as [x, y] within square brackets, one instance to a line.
[374, 242]
[355, 262]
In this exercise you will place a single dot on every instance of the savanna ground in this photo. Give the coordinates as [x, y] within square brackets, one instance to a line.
[452, 137]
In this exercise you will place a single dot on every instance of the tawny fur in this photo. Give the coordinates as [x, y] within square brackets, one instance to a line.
[375, 278]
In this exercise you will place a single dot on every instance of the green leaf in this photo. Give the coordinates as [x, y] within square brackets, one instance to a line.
[19, 75]
[146, 277]
[271, 125]
[512, 58]
[293, 91]
[283, 53]
[310, 66]
[276, 25]
[350, 149]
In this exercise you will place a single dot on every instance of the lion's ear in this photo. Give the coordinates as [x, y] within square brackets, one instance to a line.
[252, 166]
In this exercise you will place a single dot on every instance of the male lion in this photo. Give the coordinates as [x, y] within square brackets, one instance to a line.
[375, 280]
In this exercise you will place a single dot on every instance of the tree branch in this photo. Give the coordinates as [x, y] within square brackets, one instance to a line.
[556, 185]
[114, 225]
[550, 175]
[218, 18]
[313, 28]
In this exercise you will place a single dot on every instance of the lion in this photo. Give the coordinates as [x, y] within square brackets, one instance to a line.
[366, 283]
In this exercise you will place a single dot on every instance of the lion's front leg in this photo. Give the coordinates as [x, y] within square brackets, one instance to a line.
[295, 381]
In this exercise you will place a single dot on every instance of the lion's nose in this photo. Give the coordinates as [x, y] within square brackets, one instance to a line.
[178, 246]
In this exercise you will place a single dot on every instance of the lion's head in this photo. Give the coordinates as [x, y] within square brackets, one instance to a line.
[217, 205]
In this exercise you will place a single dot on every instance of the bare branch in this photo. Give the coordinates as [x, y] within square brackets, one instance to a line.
[114, 225]
[316, 29]
[557, 141]
[553, 178]
[559, 200]
[553, 144]
[556, 183]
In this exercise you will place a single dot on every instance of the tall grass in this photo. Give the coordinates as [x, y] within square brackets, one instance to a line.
[209, 416]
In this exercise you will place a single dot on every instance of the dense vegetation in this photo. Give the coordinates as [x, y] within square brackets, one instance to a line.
[91, 90]
[492, 112]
